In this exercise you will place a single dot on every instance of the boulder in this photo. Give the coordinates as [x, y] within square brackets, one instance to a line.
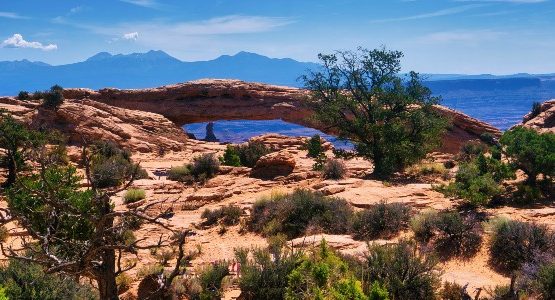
[275, 164]
[544, 119]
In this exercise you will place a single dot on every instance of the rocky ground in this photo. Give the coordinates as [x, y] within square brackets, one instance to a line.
[234, 185]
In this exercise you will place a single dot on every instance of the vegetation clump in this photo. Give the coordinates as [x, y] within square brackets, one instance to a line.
[314, 146]
[334, 169]
[382, 220]
[245, 154]
[111, 165]
[449, 233]
[23, 95]
[391, 118]
[26, 280]
[301, 211]
[133, 195]
[53, 98]
[514, 243]
[228, 215]
[203, 167]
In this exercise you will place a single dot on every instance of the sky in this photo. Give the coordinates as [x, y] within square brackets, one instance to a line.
[447, 36]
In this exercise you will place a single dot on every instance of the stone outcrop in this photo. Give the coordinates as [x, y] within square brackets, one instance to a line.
[280, 142]
[269, 166]
[544, 119]
[212, 100]
[86, 120]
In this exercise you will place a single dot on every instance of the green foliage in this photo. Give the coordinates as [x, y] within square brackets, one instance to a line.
[378, 292]
[449, 233]
[452, 291]
[38, 95]
[210, 279]
[382, 220]
[23, 95]
[478, 181]
[229, 215]
[536, 109]
[205, 166]
[23, 280]
[250, 152]
[264, 277]
[31, 196]
[546, 281]
[532, 152]
[18, 143]
[133, 195]
[335, 169]
[53, 98]
[406, 273]
[320, 162]
[180, 173]
[231, 157]
[471, 150]
[314, 146]
[391, 119]
[514, 243]
[292, 214]
[111, 166]
[323, 275]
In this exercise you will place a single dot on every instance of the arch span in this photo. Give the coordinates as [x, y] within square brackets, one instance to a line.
[217, 99]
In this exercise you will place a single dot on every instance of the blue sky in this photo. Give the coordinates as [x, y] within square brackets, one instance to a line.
[447, 36]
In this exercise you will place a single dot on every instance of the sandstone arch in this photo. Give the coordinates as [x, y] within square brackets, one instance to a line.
[215, 99]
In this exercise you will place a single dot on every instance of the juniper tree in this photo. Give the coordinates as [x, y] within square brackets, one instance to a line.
[78, 231]
[389, 117]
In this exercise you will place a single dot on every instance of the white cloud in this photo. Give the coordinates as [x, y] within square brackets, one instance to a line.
[10, 15]
[438, 13]
[131, 36]
[143, 3]
[17, 41]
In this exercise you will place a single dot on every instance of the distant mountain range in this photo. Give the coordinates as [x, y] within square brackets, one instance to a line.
[500, 100]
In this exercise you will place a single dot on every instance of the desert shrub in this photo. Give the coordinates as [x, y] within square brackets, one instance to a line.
[471, 150]
[231, 157]
[532, 152]
[180, 173]
[24, 280]
[23, 95]
[406, 273]
[488, 138]
[343, 154]
[38, 95]
[323, 275]
[111, 166]
[378, 292]
[424, 225]
[536, 109]
[205, 166]
[314, 146]
[450, 164]
[514, 243]
[292, 214]
[334, 169]
[133, 195]
[457, 236]
[229, 215]
[250, 152]
[452, 291]
[150, 269]
[427, 169]
[264, 276]
[382, 220]
[53, 98]
[209, 282]
[478, 181]
[546, 281]
[123, 282]
[320, 163]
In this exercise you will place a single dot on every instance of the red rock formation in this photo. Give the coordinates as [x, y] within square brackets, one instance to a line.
[212, 100]
[544, 121]
[274, 164]
[86, 120]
